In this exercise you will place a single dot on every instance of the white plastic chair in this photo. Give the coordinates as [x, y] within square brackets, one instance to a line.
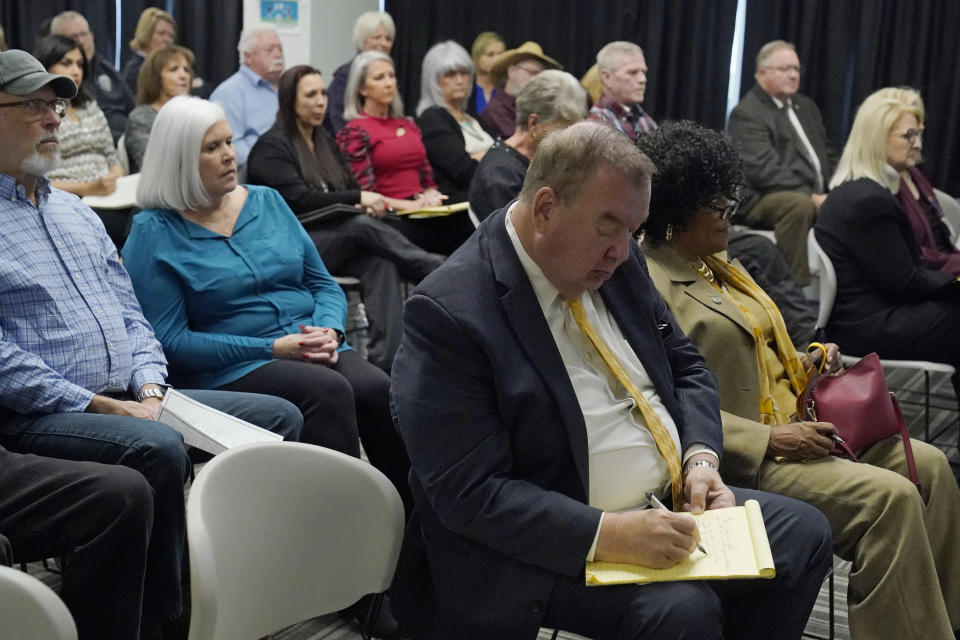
[828, 292]
[951, 215]
[30, 610]
[280, 532]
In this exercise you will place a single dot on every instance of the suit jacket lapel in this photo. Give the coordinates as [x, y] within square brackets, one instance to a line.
[524, 313]
[695, 286]
[784, 119]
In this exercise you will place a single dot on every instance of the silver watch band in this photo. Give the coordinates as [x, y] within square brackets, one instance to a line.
[153, 392]
[699, 463]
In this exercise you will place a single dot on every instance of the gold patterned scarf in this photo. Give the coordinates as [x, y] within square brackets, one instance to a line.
[770, 413]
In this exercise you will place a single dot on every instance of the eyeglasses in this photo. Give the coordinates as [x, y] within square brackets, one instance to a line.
[726, 211]
[37, 108]
[787, 68]
[911, 135]
[531, 70]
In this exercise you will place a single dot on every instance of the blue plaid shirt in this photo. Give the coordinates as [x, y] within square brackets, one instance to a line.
[70, 324]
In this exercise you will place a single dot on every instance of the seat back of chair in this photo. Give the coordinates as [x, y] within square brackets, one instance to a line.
[30, 610]
[280, 532]
[951, 214]
[828, 281]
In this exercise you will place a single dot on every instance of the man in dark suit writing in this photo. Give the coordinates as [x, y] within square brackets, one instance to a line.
[787, 161]
[542, 388]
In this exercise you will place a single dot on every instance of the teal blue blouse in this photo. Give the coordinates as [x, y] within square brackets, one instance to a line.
[217, 303]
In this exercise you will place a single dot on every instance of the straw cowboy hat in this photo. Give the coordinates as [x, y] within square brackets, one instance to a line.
[528, 50]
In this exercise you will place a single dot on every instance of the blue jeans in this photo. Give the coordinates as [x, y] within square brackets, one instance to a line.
[156, 451]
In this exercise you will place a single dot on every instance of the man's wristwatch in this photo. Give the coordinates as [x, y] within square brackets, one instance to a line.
[699, 463]
[152, 392]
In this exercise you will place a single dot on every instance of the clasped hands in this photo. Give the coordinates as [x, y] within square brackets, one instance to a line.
[312, 344]
[660, 539]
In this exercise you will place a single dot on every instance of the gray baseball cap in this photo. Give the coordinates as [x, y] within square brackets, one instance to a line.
[21, 74]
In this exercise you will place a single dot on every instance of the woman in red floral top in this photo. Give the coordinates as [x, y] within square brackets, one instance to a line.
[386, 153]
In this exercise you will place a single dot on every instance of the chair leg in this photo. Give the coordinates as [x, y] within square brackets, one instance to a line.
[831, 604]
[366, 630]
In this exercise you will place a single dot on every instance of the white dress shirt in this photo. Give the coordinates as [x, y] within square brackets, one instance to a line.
[803, 138]
[624, 462]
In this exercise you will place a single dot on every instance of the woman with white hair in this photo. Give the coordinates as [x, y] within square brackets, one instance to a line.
[386, 154]
[888, 300]
[373, 31]
[553, 100]
[454, 139]
[238, 295]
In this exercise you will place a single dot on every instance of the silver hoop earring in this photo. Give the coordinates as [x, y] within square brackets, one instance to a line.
[669, 234]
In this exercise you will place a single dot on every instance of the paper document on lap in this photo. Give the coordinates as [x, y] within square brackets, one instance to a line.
[736, 543]
[206, 428]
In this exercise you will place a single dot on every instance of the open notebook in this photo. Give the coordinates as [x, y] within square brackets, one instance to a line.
[736, 544]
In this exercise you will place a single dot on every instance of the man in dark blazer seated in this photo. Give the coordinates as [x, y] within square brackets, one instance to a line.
[787, 161]
[526, 449]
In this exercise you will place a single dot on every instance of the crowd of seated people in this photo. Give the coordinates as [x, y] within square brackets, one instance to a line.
[298, 158]
[226, 276]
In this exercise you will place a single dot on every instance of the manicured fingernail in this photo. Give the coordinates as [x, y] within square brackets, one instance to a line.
[300, 343]
[303, 355]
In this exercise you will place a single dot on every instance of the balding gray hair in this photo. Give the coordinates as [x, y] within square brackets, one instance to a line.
[767, 50]
[611, 55]
[56, 25]
[568, 158]
[248, 39]
[551, 95]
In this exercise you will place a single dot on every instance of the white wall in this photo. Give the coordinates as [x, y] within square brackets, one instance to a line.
[322, 37]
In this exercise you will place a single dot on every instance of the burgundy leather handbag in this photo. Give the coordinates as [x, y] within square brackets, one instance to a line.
[859, 404]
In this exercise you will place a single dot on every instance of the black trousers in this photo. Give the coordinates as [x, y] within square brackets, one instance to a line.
[98, 516]
[379, 255]
[341, 406]
[703, 610]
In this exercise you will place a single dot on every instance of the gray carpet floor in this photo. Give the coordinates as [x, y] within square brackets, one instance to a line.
[909, 387]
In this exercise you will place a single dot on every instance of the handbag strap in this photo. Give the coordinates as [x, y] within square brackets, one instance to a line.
[907, 448]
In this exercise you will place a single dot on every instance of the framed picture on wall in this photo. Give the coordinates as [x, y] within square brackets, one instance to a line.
[284, 14]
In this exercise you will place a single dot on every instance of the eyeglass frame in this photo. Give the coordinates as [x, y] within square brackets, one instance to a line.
[57, 105]
[786, 68]
[911, 135]
[528, 71]
[726, 212]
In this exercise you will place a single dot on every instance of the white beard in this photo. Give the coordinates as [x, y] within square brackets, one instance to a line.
[37, 164]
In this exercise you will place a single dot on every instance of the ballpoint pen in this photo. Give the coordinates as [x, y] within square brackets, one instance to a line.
[652, 499]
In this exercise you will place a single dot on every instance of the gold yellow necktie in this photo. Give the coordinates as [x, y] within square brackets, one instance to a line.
[657, 429]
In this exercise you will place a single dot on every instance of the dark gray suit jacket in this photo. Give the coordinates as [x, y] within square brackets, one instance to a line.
[774, 157]
[497, 439]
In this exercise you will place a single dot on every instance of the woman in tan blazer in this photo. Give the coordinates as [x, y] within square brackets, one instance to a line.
[904, 545]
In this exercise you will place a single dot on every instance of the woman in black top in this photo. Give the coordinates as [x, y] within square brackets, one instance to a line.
[297, 158]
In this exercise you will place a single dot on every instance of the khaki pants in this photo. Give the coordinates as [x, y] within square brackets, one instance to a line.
[790, 214]
[905, 547]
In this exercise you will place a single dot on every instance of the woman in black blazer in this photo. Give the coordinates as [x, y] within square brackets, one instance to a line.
[454, 139]
[297, 158]
[887, 300]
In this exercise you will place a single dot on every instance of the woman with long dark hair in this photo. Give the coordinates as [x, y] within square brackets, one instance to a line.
[297, 158]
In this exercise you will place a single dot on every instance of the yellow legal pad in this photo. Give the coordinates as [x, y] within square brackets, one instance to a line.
[435, 212]
[736, 544]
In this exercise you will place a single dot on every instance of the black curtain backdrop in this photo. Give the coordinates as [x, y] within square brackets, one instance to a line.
[850, 49]
[694, 36]
[210, 28]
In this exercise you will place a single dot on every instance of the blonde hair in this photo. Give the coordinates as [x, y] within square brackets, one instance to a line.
[865, 154]
[145, 25]
[368, 22]
[480, 44]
